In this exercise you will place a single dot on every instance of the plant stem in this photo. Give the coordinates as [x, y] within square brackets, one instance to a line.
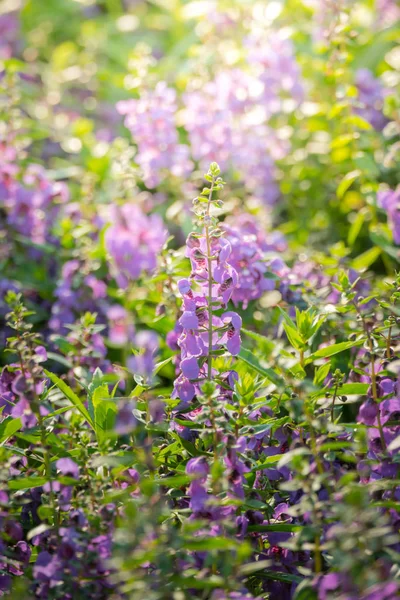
[210, 282]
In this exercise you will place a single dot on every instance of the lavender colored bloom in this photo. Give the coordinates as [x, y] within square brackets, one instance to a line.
[368, 412]
[151, 121]
[370, 99]
[197, 491]
[226, 121]
[133, 242]
[198, 467]
[279, 74]
[142, 363]
[194, 337]
[9, 29]
[33, 206]
[13, 530]
[126, 421]
[387, 12]
[249, 258]
[47, 567]
[120, 329]
[76, 294]
[68, 467]
[389, 200]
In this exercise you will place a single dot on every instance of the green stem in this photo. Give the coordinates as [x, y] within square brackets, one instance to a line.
[210, 282]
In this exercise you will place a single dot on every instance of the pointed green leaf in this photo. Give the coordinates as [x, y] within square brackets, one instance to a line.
[70, 394]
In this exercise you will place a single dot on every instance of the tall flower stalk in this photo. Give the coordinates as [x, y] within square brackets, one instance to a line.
[206, 331]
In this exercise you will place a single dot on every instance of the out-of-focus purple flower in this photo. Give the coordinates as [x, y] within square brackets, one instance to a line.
[387, 12]
[371, 94]
[126, 421]
[151, 121]
[146, 344]
[133, 242]
[156, 410]
[32, 206]
[68, 467]
[279, 74]
[76, 293]
[227, 121]
[368, 412]
[9, 29]
[198, 467]
[389, 200]
[47, 567]
[120, 329]
[250, 246]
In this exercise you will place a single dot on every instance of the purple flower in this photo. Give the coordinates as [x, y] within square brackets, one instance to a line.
[47, 567]
[198, 467]
[249, 248]
[233, 334]
[133, 242]
[190, 368]
[151, 121]
[120, 330]
[68, 467]
[194, 339]
[368, 412]
[142, 363]
[370, 99]
[389, 200]
[126, 421]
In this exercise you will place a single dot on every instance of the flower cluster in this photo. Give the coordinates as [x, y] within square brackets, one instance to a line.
[277, 70]
[371, 95]
[207, 291]
[33, 204]
[254, 256]
[78, 291]
[388, 12]
[133, 241]
[151, 121]
[226, 119]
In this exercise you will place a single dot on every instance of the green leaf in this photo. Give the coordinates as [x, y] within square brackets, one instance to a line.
[210, 543]
[295, 339]
[8, 427]
[358, 121]
[305, 591]
[70, 394]
[26, 483]
[60, 411]
[286, 318]
[381, 241]
[161, 365]
[270, 460]
[334, 349]
[346, 182]
[355, 228]
[249, 358]
[175, 481]
[356, 389]
[105, 411]
[276, 576]
[366, 259]
[321, 373]
[262, 341]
